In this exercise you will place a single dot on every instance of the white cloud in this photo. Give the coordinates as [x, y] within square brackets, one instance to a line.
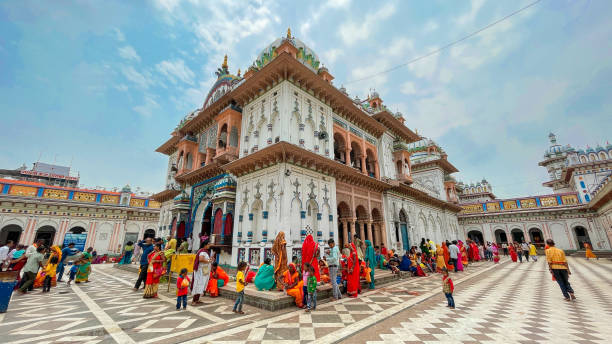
[143, 80]
[149, 106]
[468, 17]
[175, 71]
[119, 35]
[427, 67]
[430, 26]
[400, 47]
[167, 5]
[351, 31]
[129, 53]
[122, 87]
[408, 88]
[332, 55]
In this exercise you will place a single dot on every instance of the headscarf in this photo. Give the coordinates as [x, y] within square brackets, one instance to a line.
[309, 249]
[55, 251]
[370, 254]
[196, 261]
[280, 254]
[288, 274]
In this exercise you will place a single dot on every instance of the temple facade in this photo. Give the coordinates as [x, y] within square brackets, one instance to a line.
[579, 210]
[104, 220]
[281, 148]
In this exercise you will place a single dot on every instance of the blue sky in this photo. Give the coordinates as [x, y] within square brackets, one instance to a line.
[102, 84]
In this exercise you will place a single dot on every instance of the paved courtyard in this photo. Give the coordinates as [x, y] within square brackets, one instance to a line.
[503, 303]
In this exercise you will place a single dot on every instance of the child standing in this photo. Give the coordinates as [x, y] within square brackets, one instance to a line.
[240, 284]
[182, 289]
[305, 274]
[448, 288]
[312, 288]
[49, 274]
[73, 271]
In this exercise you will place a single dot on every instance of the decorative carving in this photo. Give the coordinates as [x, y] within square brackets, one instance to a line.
[257, 187]
[296, 193]
[271, 189]
[312, 185]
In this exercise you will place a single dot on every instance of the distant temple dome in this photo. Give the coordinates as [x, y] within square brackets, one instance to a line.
[126, 189]
[306, 55]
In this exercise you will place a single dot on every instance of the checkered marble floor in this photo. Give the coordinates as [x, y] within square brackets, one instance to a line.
[335, 320]
[106, 310]
[515, 303]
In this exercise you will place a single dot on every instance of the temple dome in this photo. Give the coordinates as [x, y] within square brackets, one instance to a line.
[306, 55]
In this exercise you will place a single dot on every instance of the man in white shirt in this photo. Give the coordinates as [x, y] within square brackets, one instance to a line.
[4, 253]
[453, 251]
[32, 248]
[525, 248]
[189, 244]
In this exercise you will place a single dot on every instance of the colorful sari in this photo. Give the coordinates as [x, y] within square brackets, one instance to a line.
[218, 279]
[127, 255]
[513, 255]
[460, 261]
[309, 250]
[464, 254]
[264, 280]
[84, 270]
[154, 272]
[589, 251]
[296, 291]
[279, 250]
[40, 277]
[371, 261]
[440, 263]
[447, 257]
[495, 251]
[353, 284]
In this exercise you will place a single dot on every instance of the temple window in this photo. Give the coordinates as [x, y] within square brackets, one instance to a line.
[222, 143]
[339, 148]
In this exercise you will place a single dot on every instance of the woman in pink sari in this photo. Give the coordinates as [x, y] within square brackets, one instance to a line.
[460, 257]
[495, 251]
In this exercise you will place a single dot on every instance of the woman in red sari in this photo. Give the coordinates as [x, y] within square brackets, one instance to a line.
[353, 284]
[447, 257]
[310, 254]
[474, 251]
[512, 253]
[154, 271]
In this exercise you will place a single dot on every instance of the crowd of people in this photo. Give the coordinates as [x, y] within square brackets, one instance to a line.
[39, 266]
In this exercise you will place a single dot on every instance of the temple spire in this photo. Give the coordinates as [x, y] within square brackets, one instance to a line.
[224, 65]
[288, 32]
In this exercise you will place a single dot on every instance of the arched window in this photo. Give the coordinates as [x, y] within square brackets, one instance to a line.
[592, 157]
[339, 148]
[189, 162]
[583, 159]
[603, 156]
[222, 142]
[356, 155]
[370, 163]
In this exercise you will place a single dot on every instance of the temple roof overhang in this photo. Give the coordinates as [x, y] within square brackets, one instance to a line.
[407, 190]
[284, 152]
[442, 163]
[201, 173]
[602, 197]
[165, 195]
[285, 67]
[169, 146]
[397, 127]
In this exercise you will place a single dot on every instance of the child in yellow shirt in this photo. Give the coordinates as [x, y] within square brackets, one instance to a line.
[49, 271]
[240, 284]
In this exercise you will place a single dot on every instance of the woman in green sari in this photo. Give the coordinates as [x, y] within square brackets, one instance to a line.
[84, 270]
[370, 259]
[264, 280]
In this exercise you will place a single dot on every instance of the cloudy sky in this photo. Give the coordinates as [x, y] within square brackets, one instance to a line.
[102, 84]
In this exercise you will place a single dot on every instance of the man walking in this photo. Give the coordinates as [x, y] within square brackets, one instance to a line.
[505, 248]
[557, 265]
[4, 254]
[146, 247]
[525, 248]
[66, 251]
[30, 269]
[453, 251]
[332, 262]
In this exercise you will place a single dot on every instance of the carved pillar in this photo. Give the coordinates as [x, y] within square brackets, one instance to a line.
[383, 234]
[351, 223]
[376, 171]
[348, 155]
[369, 225]
[344, 234]
[363, 164]
[361, 230]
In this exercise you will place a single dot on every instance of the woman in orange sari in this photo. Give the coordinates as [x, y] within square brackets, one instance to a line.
[440, 263]
[464, 254]
[446, 255]
[589, 251]
[279, 250]
[40, 278]
[154, 271]
[218, 278]
[353, 284]
[293, 285]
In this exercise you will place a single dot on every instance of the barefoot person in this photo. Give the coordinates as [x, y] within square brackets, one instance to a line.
[201, 272]
[557, 264]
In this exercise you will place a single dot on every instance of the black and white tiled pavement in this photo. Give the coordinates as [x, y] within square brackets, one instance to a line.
[503, 303]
